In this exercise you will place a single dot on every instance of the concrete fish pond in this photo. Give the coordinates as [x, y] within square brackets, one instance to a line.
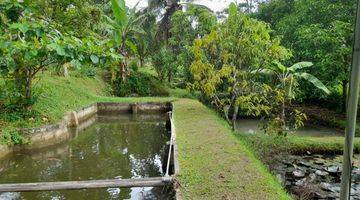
[315, 176]
[110, 144]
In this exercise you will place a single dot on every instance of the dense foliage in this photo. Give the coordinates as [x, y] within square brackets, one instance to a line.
[319, 31]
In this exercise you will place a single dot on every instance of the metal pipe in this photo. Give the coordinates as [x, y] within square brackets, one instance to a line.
[351, 112]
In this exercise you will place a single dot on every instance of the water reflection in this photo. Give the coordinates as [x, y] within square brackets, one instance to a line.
[115, 146]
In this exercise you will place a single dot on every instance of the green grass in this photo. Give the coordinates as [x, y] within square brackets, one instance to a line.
[265, 145]
[214, 164]
[183, 93]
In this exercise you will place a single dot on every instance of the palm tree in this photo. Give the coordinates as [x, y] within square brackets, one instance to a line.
[170, 7]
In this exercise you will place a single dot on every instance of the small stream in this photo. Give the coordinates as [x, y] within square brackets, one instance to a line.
[310, 176]
[113, 146]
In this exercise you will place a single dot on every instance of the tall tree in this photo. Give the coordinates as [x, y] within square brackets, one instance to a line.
[224, 61]
[318, 31]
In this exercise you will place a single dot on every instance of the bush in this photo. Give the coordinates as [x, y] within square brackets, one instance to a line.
[11, 136]
[139, 84]
[133, 64]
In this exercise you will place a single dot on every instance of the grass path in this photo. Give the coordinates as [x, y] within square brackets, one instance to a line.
[213, 163]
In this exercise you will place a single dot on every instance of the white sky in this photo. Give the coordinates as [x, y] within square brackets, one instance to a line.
[215, 5]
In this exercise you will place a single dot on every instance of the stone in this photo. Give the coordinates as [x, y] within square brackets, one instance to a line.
[298, 173]
[312, 177]
[321, 173]
[355, 178]
[300, 182]
[333, 169]
[319, 161]
[281, 178]
[303, 163]
[330, 187]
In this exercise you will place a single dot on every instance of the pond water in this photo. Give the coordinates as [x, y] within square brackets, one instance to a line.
[115, 146]
[251, 126]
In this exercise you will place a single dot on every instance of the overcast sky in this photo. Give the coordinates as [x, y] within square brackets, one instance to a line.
[215, 5]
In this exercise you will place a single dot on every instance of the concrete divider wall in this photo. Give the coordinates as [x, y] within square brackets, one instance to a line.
[56, 133]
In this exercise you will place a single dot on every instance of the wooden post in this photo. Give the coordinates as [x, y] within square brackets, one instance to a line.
[351, 112]
[134, 108]
[172, 131]
[75, 185]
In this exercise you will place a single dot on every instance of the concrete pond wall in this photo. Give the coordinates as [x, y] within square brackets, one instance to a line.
[57, 133]
[76, 121]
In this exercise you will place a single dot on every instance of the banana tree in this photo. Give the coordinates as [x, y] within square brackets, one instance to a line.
[124, 28]
[287, 79]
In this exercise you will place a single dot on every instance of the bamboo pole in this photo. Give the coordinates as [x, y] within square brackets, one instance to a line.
[351, 112]
[90, 184]
[172, 131]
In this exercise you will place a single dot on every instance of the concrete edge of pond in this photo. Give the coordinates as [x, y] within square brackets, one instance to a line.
[52, 134]
[175, 157]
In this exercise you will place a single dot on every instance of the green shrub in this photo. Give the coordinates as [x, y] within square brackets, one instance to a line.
[11, 136]
[139, 84]
[133, 64]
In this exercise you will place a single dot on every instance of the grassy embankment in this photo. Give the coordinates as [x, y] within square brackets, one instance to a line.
[214, 164]
[55, 96]
[266, 146]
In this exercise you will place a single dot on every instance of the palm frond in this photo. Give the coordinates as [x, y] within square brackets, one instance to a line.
[312, 79]
[300, 65]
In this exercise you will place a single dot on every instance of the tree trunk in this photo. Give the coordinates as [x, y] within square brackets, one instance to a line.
[141, 62]
[169, 76]
[234, 117]
[344, 95]
[65, 69]
[123, 71]
[28, 88]
[283, 116]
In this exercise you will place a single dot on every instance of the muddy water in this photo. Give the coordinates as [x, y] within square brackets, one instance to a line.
[114, 146]
[251, 126]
